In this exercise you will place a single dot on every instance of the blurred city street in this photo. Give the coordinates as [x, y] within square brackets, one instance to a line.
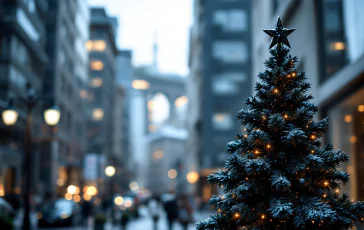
[142, 223]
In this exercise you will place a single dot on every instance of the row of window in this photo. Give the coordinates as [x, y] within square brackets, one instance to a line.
[231, 20]
[230, 51]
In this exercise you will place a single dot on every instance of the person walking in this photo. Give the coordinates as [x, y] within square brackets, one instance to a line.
[86, 212]
[185, 212]
[171, 208]
[155, 210]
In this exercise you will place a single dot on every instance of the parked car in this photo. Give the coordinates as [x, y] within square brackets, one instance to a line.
[60, 212]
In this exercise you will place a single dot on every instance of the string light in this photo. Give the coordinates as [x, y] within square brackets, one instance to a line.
[275, 90]
[312, 151]
[313, 137]
[246, 135]
[256, 152]
[285, 116]
[263, 117]
[246, 178]
[326, 183]
[268, 146]
[313, 221]
[324, 195]
[263, 216]
[236, 215]
[337, 190]
[293, 74]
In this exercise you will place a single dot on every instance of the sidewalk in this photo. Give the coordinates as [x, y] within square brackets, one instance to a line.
[145, 222]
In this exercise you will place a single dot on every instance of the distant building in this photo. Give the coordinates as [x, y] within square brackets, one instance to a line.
[156, 101]
[166, 154]
[23, 59]
[101, 94]
[219, 81]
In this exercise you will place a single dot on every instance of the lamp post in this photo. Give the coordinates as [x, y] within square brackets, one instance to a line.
[10, 116]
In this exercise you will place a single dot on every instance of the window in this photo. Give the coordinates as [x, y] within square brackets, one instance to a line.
[98, 45]
[227, 83]
[181, 101]
[27, 25]
[232, 20]
[97, 114]
[16, 77]
[96, 82]
[222, 121]
[230, 51]
[96, 65]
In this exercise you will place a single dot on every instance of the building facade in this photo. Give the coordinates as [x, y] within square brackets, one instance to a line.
[329, 43]
[61, 155]
[220, 77]
[23, 59]
[124, 78]
[167, 149]
[102, 77]
[157, 100]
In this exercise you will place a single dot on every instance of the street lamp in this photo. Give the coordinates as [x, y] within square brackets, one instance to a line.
[10, 116]
[110, 171]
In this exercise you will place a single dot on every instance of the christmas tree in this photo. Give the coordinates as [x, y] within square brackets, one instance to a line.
[278, 175]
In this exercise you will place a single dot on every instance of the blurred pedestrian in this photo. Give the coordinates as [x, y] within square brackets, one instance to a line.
[171, 208]
[125, 218]
[185, 212]
[155, 210]
[87, 211]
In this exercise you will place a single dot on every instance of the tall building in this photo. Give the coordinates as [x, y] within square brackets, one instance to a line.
[329, 43]
[124, 79]
[101, 94]
[23, 59]
[219, 80]
[61, 156]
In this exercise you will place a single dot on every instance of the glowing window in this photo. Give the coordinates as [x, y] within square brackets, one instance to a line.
[96, 65]
[99, 45]
[96, 82]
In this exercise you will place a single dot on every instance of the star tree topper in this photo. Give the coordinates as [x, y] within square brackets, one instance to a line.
[279, 34]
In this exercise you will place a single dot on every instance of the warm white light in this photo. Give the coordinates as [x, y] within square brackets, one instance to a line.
[110, 171]
[97, 114]
[68, 196]
[181, 101]
[96, 82]
[353, 139]
[77, 198]
[158, 154]
[134, 186]
[96, 65]
[192, 177]
[91, 190]
[172, 173]
[71, 189]
[52, 115]
[10, 116]
[60, 182]
[348, 118]
[128, 203]
[337, 45]
[119, 200]
[87, 197]
[361, 108]
[140, 84]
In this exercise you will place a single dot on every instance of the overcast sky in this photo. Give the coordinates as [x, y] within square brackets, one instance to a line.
[140, 19]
